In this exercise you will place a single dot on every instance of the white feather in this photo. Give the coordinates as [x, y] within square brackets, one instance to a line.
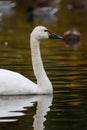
[12, 83]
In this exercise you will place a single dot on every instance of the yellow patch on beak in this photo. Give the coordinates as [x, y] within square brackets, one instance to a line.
[48, 33]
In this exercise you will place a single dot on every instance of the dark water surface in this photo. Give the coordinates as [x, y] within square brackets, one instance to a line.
[66, 109]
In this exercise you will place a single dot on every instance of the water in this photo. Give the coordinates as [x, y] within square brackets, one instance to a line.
[66, 109]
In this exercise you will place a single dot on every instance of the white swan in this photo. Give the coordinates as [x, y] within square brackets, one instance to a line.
[12, 83]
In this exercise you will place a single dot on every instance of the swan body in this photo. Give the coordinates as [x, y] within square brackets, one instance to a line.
[13, 83]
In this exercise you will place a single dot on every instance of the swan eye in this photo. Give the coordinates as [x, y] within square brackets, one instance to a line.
[45, 30]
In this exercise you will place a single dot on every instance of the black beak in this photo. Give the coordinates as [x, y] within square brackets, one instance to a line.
[54, 36]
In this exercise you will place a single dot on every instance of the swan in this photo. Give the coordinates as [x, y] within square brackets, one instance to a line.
[13, 83]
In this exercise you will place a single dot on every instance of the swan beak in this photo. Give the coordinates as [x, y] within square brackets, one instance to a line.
[54, 36]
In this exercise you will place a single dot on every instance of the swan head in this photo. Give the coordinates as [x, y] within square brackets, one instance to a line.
[41, 32]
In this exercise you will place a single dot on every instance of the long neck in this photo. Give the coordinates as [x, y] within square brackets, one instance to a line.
[41, 76]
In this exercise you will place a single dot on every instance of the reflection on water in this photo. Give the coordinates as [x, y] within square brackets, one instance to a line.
[43, 105]
[12, 107]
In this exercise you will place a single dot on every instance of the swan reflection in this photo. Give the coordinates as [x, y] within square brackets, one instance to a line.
[12, 107]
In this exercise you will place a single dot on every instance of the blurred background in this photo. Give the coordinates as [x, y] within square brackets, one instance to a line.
[18, 18]
[65, 60]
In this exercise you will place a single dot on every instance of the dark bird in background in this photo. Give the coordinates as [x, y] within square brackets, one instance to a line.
[72, 38]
